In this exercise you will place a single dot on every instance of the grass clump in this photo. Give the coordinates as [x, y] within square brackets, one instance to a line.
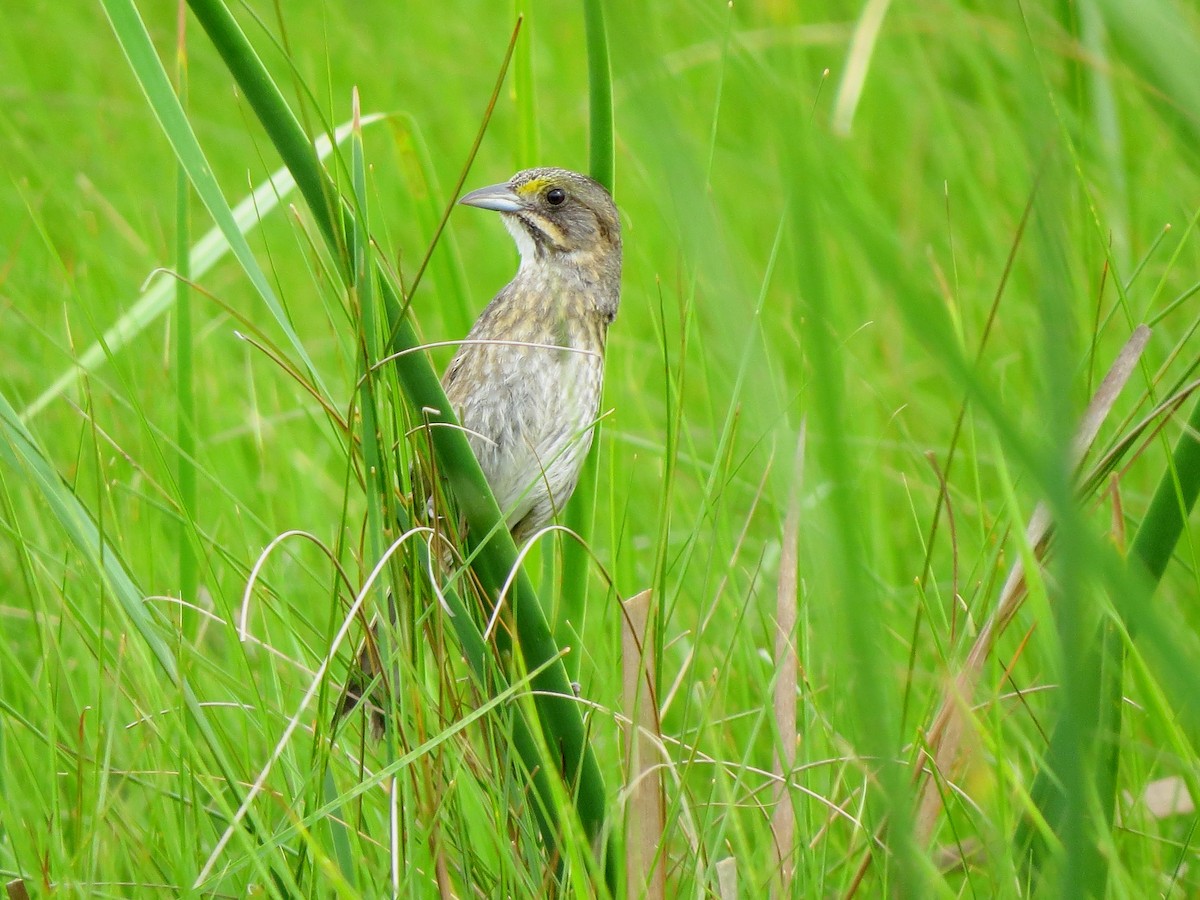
[879, 262]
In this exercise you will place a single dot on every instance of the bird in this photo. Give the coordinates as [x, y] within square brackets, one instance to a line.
[526, 382]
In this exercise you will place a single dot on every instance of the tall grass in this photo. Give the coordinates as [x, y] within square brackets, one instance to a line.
[920, 234]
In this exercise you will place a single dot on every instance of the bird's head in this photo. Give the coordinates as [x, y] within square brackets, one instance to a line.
[556, 215]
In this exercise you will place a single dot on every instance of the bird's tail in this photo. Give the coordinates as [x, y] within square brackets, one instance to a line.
[367, 682]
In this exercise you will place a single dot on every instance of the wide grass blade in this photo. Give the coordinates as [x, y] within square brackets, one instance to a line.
[601, 159]
[152, 78]
[580, 512]
[495, 556]
[1157, 537]
[1166, 518]
[161, 291]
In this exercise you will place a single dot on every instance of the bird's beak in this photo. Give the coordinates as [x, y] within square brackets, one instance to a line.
[499, 197]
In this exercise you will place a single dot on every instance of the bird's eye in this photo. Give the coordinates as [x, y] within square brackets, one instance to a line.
[556, 196]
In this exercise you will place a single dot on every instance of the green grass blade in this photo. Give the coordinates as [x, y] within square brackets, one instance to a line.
[1157, 537]
[601, 158]
[185, 376]
[860, 627]
[1174, 498]
[152, 78]
[161, 291]
[19, 450]
[581, 510]
[529, 144]
[1163, 46]
[495, 558]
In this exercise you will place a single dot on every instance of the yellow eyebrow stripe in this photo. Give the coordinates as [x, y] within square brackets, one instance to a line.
[534, 186]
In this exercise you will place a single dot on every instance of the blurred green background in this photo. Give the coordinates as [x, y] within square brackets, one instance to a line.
[818, 201]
